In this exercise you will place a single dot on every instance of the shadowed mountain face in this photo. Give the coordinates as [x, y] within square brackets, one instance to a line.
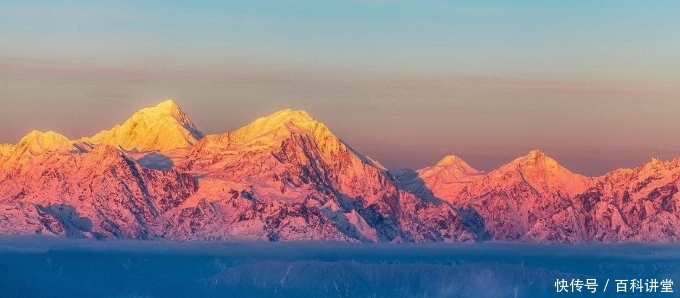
[288, 177]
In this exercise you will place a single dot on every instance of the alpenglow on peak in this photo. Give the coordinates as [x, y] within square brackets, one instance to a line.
[536, 157]
[168, 103]
[280, 124]
[288, 115]
[161, 110]
[37, 142]
[163, 127]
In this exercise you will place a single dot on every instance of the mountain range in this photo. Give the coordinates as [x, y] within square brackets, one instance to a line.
[287, 177]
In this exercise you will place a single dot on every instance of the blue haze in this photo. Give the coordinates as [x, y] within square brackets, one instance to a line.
[48, 267]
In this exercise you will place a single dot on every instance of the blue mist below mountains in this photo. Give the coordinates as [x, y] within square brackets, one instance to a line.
[50, 268]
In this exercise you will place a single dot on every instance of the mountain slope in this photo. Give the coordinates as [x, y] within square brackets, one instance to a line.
[638, 204]
[289, 160]
[100, 193]
[6, 150]
[32, 149]
[533, 198]
[161, 128]
[287, 177]
[282, 177]
[516, 201]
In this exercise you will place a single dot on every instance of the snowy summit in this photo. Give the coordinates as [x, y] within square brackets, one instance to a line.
[287, 177]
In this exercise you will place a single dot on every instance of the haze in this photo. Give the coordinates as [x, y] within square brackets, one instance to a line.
[595, 85]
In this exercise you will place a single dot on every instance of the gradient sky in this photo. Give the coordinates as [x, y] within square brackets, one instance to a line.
[595, 85]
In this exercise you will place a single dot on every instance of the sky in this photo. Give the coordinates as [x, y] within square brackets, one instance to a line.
[594, 85]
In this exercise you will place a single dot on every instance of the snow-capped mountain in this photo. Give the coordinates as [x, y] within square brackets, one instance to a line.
[286, 176]
[97, 193]
[533, 198]
[519, 200]
[161, 128]
[32, 150]
[36, 143]
[634, 204]
[445, 179]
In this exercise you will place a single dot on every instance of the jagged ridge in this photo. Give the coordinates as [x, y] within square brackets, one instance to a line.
[288, 177]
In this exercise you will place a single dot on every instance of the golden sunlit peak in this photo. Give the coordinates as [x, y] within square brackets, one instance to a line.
[167, 107]
[291, 114]
[297, 117]
[449, 160]
[280, 124]
[162, 127]
[37, 142]
[39, 135]
[164, 111]
[168, 103]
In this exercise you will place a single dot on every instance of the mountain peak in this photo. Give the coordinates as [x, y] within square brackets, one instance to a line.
[536, 162]
[537, 157]
[655, 163]
[271, 131]
[45, 138]
[536, 153]
[450, 160]
[543, 173]
[37, 142]
[456, 163]
[167, 108]
[168, 103]
[450, 169]
[280, 124]
[162, 127]
[48, 135]
[289, 115]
